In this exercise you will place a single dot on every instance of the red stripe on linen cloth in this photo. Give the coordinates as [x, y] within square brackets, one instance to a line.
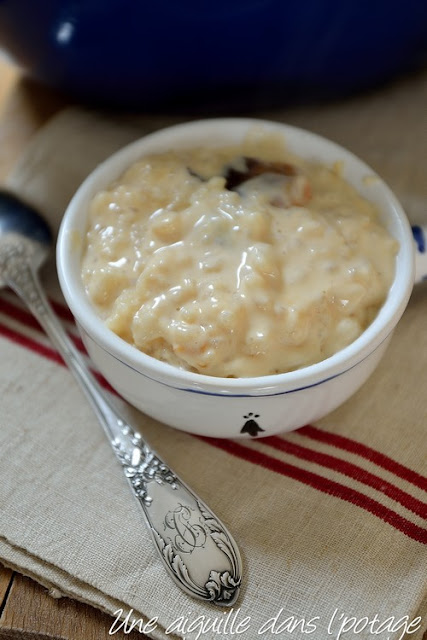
[47, 352]
[350, 470]
[352, 446]
[25, 317]
[29, 343]
[325, 485]
[62, 311]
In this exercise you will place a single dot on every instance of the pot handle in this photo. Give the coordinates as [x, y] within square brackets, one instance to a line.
[420, 237]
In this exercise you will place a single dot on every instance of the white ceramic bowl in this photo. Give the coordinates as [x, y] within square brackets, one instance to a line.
[241, 407]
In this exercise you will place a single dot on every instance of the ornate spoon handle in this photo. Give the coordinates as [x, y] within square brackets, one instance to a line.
[195, 547]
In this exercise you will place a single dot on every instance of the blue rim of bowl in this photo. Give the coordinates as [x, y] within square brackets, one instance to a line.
[236, 395]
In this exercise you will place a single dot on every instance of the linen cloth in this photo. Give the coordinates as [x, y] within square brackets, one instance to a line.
[330, 519]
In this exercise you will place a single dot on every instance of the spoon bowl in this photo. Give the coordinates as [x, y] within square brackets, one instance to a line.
[21, 225]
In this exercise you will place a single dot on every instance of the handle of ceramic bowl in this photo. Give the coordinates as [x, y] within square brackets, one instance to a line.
[420, 237]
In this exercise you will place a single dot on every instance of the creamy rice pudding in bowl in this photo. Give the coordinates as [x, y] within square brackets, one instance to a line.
[235, 277]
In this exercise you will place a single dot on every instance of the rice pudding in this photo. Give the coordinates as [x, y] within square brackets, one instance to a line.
[236, 261]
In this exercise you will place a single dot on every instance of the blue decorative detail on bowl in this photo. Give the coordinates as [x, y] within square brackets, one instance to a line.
[419, 237]
[225, 54]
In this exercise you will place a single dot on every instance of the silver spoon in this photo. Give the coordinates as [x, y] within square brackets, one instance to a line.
[195, 547]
